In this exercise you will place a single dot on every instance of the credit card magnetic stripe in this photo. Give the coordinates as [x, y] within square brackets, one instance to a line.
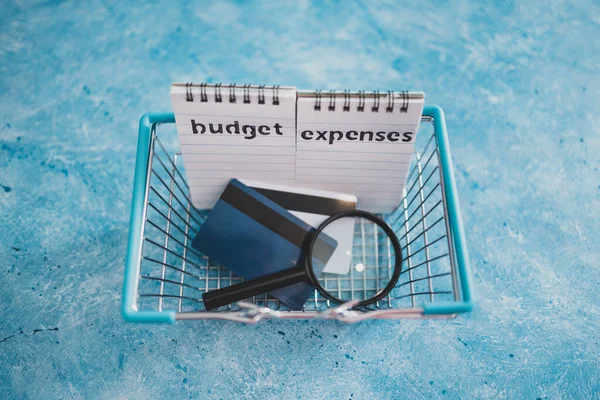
[278, 223]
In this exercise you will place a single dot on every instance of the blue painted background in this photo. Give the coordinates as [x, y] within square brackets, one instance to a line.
[520, 85]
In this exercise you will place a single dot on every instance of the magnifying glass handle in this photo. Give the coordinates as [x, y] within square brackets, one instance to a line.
[231, 294]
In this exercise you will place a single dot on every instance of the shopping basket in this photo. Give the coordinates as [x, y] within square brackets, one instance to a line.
[165, 276]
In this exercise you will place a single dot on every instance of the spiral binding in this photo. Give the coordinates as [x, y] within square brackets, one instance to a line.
[188, 92]
[390, 106]
[375, 106]
[331, 100]
[246, 94]
[362, 98]
[276, 95]
[218, 97]
[203, 95]
[405, 98]
[233, 91]
[318, 96]
[346, 100]
[233, 94]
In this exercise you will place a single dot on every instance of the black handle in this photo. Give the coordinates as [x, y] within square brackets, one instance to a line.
[231, 294]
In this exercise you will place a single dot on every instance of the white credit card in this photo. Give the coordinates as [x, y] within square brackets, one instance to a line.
[313, 207]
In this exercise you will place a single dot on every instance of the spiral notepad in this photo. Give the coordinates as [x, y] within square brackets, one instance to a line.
[230, 132]
[353, 142]
[357, 142]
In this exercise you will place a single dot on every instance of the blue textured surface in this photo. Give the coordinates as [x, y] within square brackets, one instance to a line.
[520, 87]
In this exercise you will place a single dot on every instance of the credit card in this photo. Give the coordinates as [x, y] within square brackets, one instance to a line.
[254, 236]
[313, 207]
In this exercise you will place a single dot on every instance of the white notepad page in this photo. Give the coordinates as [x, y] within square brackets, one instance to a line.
[366, 153]
[262, 146]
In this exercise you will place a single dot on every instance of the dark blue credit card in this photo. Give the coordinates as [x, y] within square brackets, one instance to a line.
[254, 236]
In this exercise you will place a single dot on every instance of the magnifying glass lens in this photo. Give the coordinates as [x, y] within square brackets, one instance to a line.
[362, 266]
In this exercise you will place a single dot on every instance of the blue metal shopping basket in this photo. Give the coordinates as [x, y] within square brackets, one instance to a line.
[165, 277]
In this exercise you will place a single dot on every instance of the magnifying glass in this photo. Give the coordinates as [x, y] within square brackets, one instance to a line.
[373, 256]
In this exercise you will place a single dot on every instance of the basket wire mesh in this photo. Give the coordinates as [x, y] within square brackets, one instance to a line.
[172, 275]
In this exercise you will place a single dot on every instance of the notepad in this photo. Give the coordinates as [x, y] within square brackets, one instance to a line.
[358, 143]
[234, 131]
